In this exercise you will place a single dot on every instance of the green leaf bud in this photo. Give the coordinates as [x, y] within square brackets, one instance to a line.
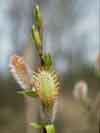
[36, 37]
[38, 17]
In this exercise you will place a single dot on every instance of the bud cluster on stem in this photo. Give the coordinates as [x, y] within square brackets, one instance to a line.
[42, 83]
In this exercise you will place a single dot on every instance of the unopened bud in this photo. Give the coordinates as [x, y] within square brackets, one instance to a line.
[38, 17]
[36, 36]
[47, 60]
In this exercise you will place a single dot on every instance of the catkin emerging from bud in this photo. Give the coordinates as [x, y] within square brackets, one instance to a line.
[47, 86]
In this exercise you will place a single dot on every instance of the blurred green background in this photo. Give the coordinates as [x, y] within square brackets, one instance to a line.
[71, 35]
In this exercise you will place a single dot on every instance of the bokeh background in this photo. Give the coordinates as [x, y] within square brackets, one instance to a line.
[71, 35]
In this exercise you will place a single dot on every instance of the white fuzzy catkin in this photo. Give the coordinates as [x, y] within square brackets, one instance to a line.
[80, 90]
[20, 71]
